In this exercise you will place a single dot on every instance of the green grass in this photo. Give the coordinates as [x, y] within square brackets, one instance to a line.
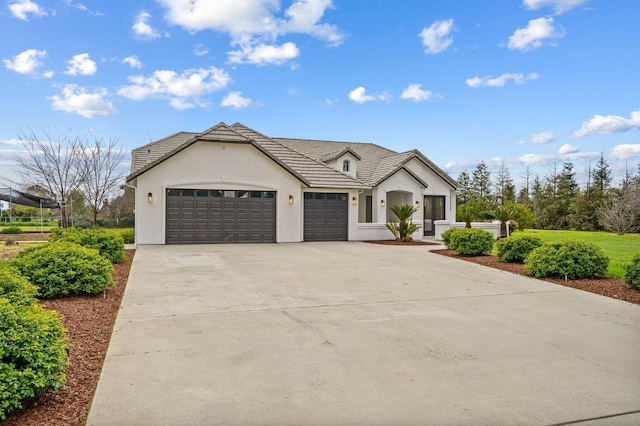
[619, 248]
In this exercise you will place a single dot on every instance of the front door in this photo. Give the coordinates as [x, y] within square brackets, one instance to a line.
[433, 210]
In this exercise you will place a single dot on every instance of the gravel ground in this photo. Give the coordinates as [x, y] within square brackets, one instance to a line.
[610, 287]
[89, 321]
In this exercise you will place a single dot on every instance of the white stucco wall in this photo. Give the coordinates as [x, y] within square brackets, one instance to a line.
[404, 188]
[215, 165]
[337, 163]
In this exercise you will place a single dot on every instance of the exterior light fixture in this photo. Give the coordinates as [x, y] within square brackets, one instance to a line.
[354, 201]
[150, 197]
[417, 204]
[291, 199]
[381, 203]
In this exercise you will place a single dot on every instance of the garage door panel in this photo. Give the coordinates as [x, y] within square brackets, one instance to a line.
[326, 216]
[217, 216]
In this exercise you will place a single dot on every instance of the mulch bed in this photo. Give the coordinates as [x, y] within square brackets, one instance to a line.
[610, 287]
[402, 243]
[89, 321]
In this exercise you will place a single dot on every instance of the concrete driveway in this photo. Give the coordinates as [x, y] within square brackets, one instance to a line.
[356, 333]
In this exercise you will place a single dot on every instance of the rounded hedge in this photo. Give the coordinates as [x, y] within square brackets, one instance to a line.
[11, 230]
[569, 259]
[446, 235]
[33, 350]
[110, 245]
[62, 269]
[471, 242]
[516, 248]
[15, 287]
[632, 273]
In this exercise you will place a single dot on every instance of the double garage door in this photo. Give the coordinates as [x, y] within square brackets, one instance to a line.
[215, 216]
[221, 216]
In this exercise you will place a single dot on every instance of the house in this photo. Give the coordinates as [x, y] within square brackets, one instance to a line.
[232, 184]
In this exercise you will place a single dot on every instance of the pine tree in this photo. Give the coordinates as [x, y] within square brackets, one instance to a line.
[601, 175]
[505, 190]
[465, 190]
[481, 181]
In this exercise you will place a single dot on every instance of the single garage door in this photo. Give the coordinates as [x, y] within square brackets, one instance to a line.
[326, 216]
[215, 216]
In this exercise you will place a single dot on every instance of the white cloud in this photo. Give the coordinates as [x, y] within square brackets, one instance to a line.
[608, 124]
[10, 142]
[489, 81]
[22, 8]
[183, 90]
[182, 104]
[533, 35]
[26, 62]
[235, 100]
[82, 7]
[262, 54]
[81, 64]
[243, 20]
[558, 6]
[435, 38]
[359, 96]
[48, 74]
[142, 28]
[132, 61]
[200, 49]
[625, 151]
[416, 93]
[540, 138]
[255, 25]
[78, 100]
[567, 149]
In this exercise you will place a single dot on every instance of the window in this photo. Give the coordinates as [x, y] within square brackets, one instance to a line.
[345, 166]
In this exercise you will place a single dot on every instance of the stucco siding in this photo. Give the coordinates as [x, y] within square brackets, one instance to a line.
[214, 165]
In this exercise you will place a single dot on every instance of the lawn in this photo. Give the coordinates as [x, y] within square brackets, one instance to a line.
[9, 252]
[619, 248]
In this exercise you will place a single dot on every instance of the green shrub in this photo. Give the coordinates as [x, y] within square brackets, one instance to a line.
[127, 234]
[15, 287]
[56, 233]
[632, 273]
[471, 242]
[446, 235]
[11, 230]
[569, 259]
[109, 244]
[516, 248]
[33, 353]
[62, 268]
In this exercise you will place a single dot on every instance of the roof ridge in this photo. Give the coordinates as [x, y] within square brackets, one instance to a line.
[332, 141]
[222, 125]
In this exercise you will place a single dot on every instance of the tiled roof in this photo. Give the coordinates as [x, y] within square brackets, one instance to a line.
[376, 164]
[370, 154]
[303, 158]
[150, 152]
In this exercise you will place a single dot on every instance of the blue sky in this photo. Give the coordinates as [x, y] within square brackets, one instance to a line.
[519, 82]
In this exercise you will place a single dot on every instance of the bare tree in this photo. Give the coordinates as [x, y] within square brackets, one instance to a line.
[102, 173]
[620, 215]
[55, 163]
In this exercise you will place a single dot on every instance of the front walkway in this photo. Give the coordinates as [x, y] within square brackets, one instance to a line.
[356, 333]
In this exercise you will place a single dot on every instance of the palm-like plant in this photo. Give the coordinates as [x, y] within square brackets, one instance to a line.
[402, 227]
[504, 214]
